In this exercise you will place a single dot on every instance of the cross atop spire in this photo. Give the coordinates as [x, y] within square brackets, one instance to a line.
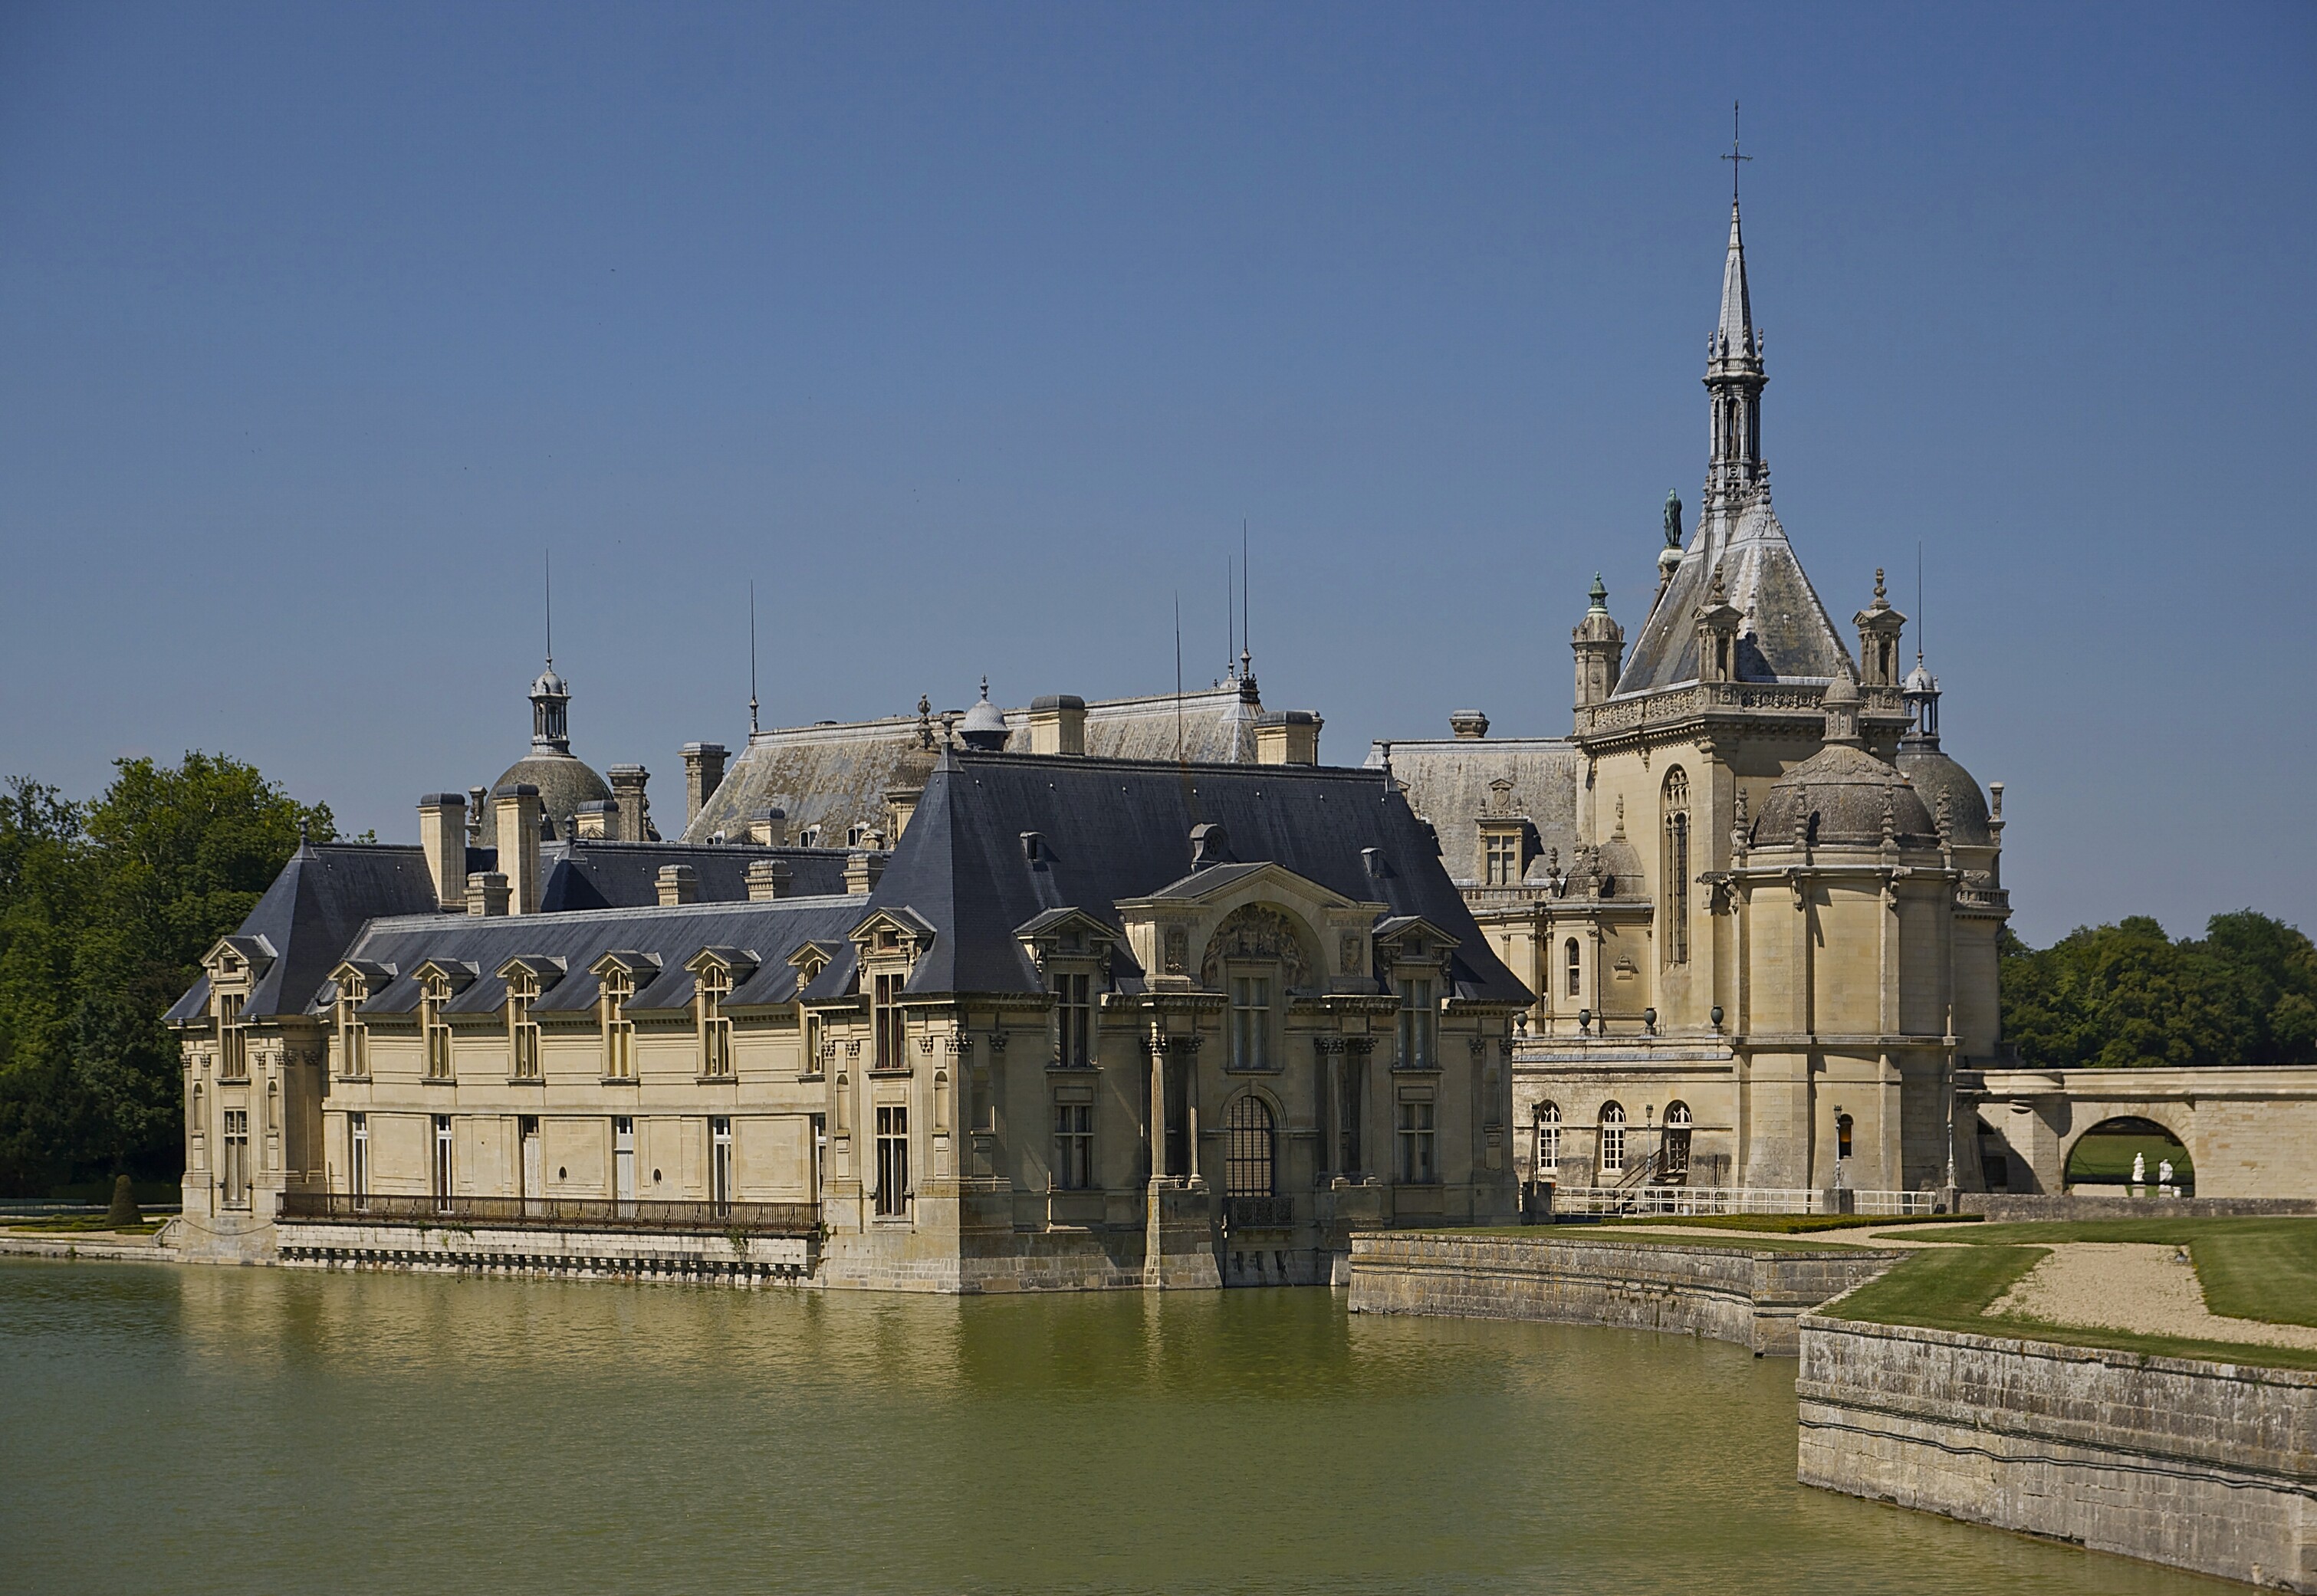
[1734, 156]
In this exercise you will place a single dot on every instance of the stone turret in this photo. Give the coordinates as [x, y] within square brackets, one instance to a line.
[1599, 645]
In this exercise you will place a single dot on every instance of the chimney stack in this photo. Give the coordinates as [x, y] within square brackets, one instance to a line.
[861, 872]
[1058, 723]
[1469, 725]
[597, 821]
[442, 838]
[516, 813]
[628, 792]
[769, 827]
[486, 892]
[703, 773]
[1287, 737]
[769, 878]
[678, 884]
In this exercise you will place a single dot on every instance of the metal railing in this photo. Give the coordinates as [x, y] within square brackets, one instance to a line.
[1644, 1200]
[556, 1213]
[1258, 1213]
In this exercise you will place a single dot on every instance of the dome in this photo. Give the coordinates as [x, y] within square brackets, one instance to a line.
[1919, 681]
[984, 726]
[564, 784]
[1840, 794]
[549, 685]
[1933, 774]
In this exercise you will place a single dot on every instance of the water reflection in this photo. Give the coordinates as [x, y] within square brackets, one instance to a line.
[389, 1431]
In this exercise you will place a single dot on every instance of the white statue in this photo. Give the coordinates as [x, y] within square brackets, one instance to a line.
[2164, 1173]
[2138, 1168]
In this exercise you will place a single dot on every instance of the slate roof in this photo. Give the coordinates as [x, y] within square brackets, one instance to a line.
[834, 776]
[310, 914]
[1786, 636]
[1115, 829]
[1447, 781]
[585, 873]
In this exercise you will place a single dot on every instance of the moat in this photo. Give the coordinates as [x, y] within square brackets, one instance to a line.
[213, 1429]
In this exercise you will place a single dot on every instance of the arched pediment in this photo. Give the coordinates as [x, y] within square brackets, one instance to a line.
[1259, 930]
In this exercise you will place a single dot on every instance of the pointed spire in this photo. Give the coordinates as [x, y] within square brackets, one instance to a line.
[1733, 340]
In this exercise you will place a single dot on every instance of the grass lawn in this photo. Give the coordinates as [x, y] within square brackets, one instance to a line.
[1797, 1223]
[1692, 1237]
[1950, 1288]
[78, 1222]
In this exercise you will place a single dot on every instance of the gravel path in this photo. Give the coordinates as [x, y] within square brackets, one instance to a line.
[2149, 1290]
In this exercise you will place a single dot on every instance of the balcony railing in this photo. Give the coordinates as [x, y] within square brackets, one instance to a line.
[556, 1213]
[1610, 1200]
[1258, 1213]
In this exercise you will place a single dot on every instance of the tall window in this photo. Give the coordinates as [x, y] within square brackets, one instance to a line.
[354, 1037]
[523, 1031]
[1504, 851]
[1073, 1146]
[1419, 1018]
[715, 1029]
[442, 1171]
[233, 1166]
[1548, 1138]
[1074, 1008]
[893, 1162]
[619, 1030]
[1613, 1139]
[1417, 1165]
[623, 1158]
[720, 1159]
[1842, 1135]
[233, 1040]
[1353, 1110]
[1573, 961]
[1676, 866]
[358, 1155]
[436, 1029]
[1250, 1042]
[1248, 1148]
[888, 1032]
[1676, 1141]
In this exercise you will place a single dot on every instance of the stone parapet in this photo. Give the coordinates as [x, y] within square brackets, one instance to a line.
[1753, 1296]
[610, 1254]
[2211, 1467]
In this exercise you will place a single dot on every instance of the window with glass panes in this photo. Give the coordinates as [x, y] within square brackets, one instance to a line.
[1250, 1035]
[1417, 1166]
[1073, 1018]
[1073, 1146]
[1419, 1018]
[715, 1031]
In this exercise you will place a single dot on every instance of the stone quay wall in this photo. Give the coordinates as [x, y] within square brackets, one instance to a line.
[1754, 1297]
[2211, 1467]
[1999, 1210]
[608, 1255]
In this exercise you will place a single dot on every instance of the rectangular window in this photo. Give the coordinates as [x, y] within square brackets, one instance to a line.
[354, 1039]
[719, 1160]
[1354, 1110]
[886, 1027]
[233, 1040]
[715, 1031]
[1419, 1019]
[1073, 1146]
[1504, 860]
[809, 1028]
[1074, 997]
[893, 1162]
[619, 1030]
[1575, 967]
[235, 1164]
[441, 1181]
[437, 1032]
[523, 1031]
[1416, 1163]
[1250, 1045]
[358, 1155]
[624, 1157]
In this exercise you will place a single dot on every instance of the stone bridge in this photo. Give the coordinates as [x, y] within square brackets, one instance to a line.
[2249, 1132]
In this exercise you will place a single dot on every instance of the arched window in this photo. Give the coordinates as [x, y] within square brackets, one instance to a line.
[1246, 1153]
[1675, 804]
[1842, 1135]
[1612, 1138]
[1548, 1138]
[1675, 1163]
[1575, 966]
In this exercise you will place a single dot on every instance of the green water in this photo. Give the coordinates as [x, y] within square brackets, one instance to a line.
[199, 1429]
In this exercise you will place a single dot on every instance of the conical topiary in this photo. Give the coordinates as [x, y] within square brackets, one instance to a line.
[124, 1209]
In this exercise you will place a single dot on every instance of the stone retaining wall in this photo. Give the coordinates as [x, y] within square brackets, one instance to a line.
[2001, 1209]
[1753, 1296]
[2211, 1467]
[611, 1255]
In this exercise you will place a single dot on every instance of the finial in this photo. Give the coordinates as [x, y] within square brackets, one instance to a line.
[752, 658]
[1882, 599]
[985, 685]
[925, 721]
[1734, 156]
[303, 841]
[1600, 595]
[1621, 817]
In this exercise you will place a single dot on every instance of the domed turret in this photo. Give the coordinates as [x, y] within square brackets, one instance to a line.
[984, 726]
[564, 782]
[1843, 797]
[1932, 772]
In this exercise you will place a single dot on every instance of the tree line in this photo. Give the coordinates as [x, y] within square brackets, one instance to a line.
[107, 905]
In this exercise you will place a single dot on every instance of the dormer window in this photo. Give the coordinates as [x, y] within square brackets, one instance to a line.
[233, 1038]
[619, 1030]
[715, 985]
[1073, 1015]
[1503, 859]
[1420, 1021]
[354, 1035]
[523, 1031]
[434, 1029]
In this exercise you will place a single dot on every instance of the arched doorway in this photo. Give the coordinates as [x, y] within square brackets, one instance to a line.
[2128, 1155]
[1673, 1169]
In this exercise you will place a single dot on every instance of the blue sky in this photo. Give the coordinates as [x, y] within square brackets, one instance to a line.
[971, 334]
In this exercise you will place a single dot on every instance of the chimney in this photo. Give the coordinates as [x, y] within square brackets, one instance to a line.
[515, 812]
[597, 821]
[486, 892]
[1058, 723]
[770, 827]
[1469, 725]
[678, 884]
[442, 838]
[903, 803]
[861, 872]
[1287, 737]
[703, 773]
[769, 878]
[628, 792]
